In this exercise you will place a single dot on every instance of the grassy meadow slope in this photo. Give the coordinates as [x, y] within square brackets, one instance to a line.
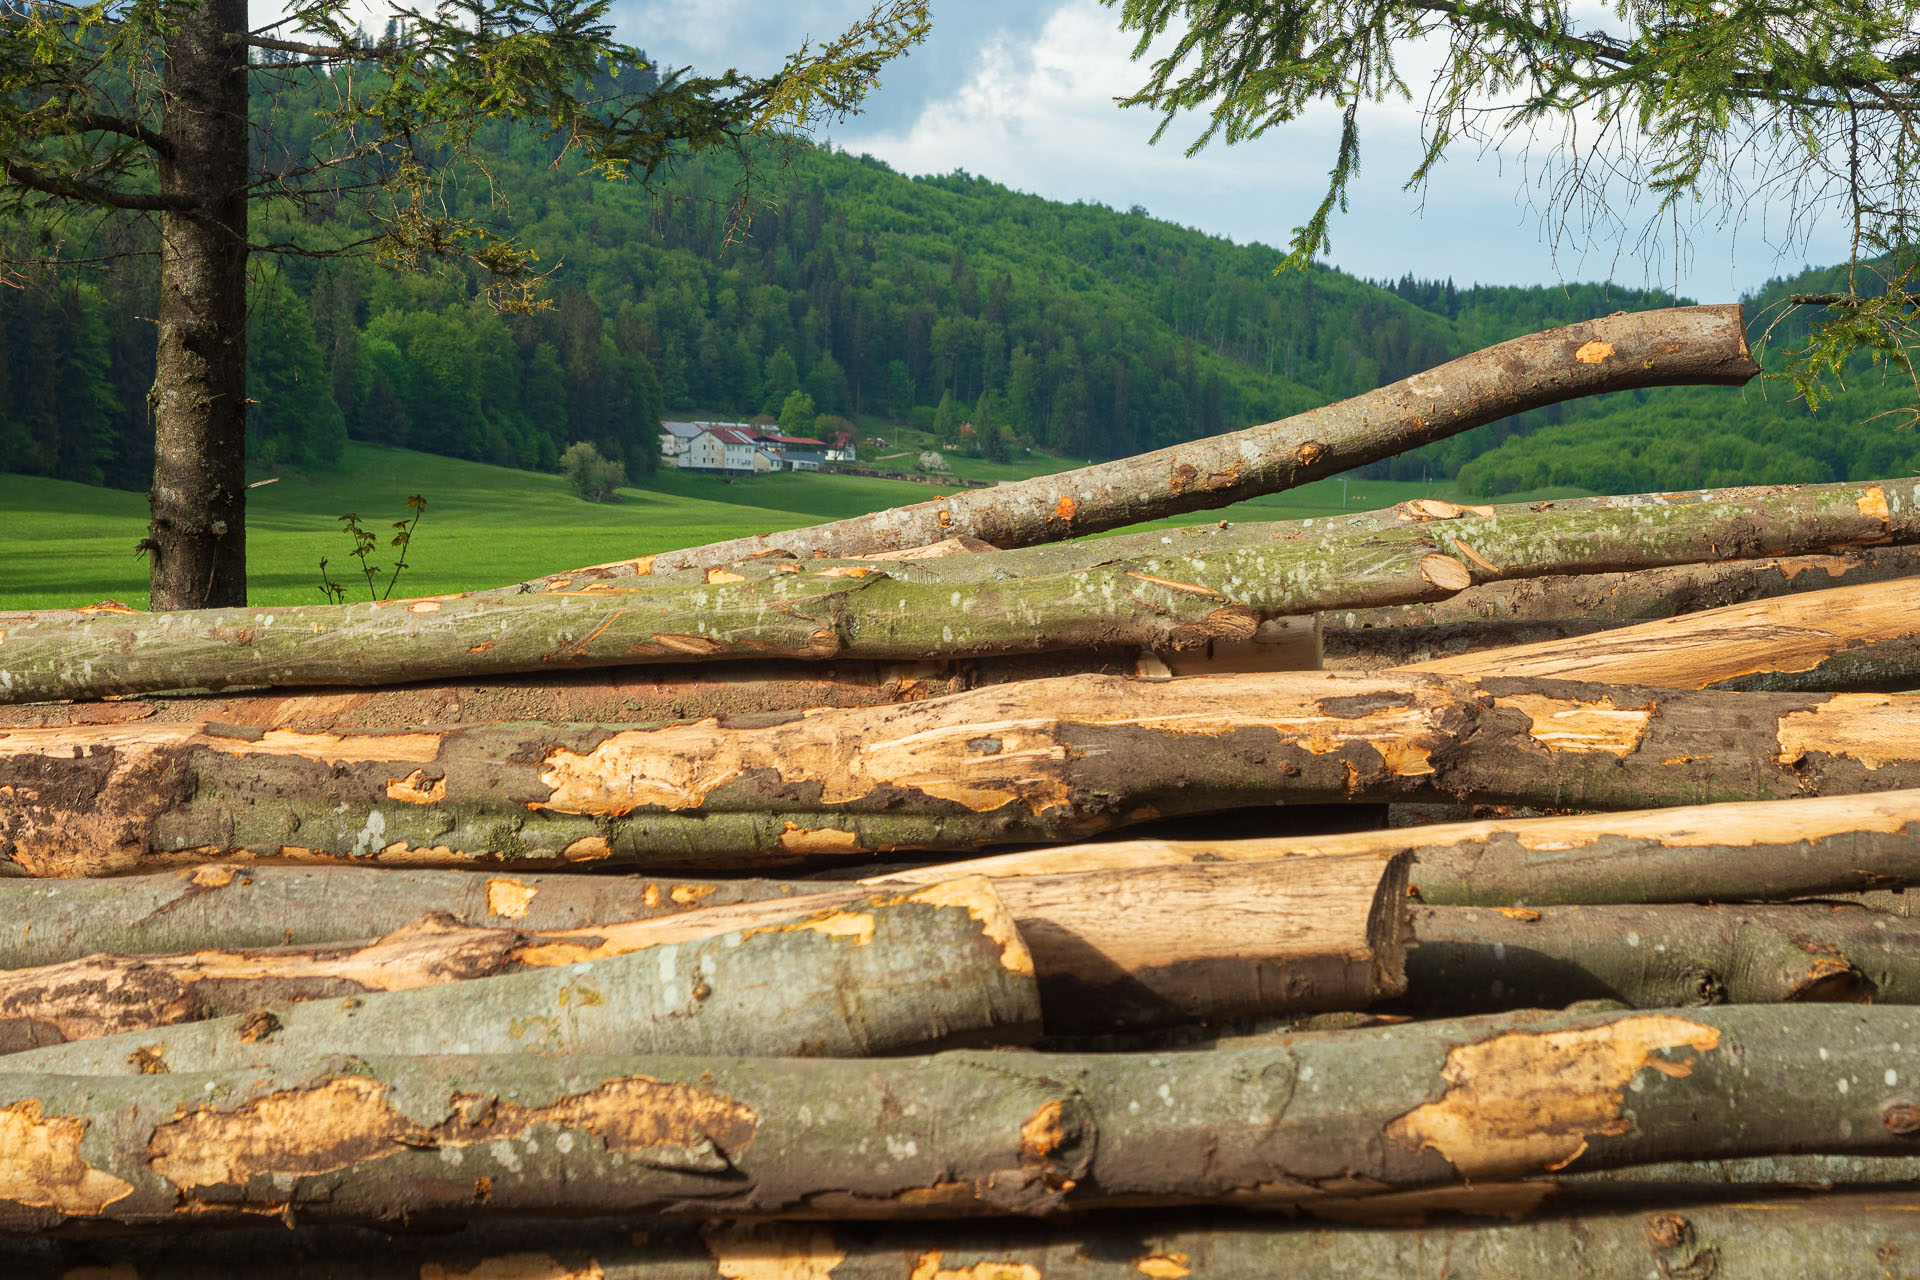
[65, 544]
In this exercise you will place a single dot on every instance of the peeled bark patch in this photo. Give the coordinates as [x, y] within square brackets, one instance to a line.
[41, 1164]
[1526, 1102]
[1874, 728]
[1561, 724]
[347, 1121]
[772, 1250]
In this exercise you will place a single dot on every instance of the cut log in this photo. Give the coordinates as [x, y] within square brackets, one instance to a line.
[1044, 760]
[1637, 596]
[1769, 851]
[1514, 1233]
[1859, 637]
[1682, 345]
[884, 973]
[1109, 950]
[247, 908]
[1475, 959]
[1039, 599]
[1423, 1105]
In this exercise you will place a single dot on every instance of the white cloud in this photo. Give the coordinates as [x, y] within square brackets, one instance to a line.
[1038, 114]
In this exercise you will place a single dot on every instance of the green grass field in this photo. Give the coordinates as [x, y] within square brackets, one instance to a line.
[63, 545]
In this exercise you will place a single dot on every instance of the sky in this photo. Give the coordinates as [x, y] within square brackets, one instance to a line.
[1022, 92]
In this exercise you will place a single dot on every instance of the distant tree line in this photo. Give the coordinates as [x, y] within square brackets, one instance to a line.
[995, 320]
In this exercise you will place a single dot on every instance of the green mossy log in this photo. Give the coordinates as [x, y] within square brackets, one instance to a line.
[1176, 595]
[870, 973]
[1764, 851]
[1112, 949]
[1042, 760]
[1861, 1236]
[1475, 959]
[1445, 1104]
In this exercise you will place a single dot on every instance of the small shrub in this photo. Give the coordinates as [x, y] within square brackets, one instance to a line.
[364, 541]
[593, 477]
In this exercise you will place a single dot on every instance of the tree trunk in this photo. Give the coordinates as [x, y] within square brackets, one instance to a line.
[1479, 959]
[1042, 761]
[1682, 345]
[1860, 637]
[1108, 950]
[1432, 1104]
[886, 973]
[1038, 599]
[197, 538]
[1518, 1234]
[1767, 851]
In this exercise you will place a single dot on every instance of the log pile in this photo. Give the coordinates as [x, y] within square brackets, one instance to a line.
[912, 898]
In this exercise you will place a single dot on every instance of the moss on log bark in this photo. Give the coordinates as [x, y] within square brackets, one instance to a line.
[1474, 959]
[1767, 851]
[1858, 1236]
[1858, 637]
[1108, 949]
[1682, 345]
[881, 973]
[1038, 599]
[1423, 1105]
[1044, 760]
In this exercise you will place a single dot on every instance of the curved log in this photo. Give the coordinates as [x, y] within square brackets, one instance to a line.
[1681, 345]
[1422, 1105]
[1044, 760]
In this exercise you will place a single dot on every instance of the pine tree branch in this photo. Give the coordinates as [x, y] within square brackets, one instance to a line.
[90, 193]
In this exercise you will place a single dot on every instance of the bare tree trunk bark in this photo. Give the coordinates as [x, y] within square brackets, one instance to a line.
[197, 537]
[1109, 950]
[1860, 637]
[1045, 760]
[1769, 851]
[1035, 600]
[1683, 345]
[1519, 1233]
[1422, 1105]
[1479, 959]
[885, 973]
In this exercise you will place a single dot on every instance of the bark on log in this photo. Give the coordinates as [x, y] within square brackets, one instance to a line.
[1046, 760]
[1477, 959]
[1039, 599]
[942, 965]
[1681, 345]
[1638, 596]
[1859, 637]
[1845, 1236]
[1109, 950]
[1769, 851]
[1433, 1104]
[242, 908]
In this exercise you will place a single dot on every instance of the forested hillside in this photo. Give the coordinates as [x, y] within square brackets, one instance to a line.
[1073, 328]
